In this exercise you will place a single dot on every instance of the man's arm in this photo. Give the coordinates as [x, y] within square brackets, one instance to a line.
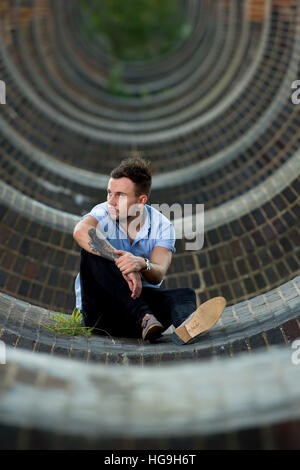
[86, 236]
[160, 260]
[93, 241]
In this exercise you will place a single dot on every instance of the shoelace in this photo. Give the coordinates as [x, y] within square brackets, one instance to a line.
[145, 320]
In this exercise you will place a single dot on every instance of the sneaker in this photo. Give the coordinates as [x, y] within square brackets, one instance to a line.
[200, 321]
[151, 328]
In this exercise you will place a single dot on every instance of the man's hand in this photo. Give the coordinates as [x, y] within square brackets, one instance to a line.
[135, 284]
[160, 260]
[128, 263]
[129, 266]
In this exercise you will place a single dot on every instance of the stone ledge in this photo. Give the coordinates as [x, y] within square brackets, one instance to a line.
[91, 406]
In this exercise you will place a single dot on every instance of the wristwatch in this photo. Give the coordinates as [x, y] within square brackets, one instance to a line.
[148, 265]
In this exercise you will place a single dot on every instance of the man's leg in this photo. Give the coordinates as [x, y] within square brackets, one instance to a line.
[103, 313]
[179, 307]
[105, 292]
[170, 306]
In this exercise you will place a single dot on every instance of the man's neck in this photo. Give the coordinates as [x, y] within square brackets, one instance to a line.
[133, 224]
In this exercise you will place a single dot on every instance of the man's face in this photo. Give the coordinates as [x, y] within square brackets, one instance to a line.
[120, 197]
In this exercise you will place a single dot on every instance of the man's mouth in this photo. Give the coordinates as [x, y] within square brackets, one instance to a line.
[113, 213]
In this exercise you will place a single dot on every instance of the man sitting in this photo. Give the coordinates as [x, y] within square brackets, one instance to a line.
[126, 250]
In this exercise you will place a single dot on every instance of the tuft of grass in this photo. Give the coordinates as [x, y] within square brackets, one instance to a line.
[68, 324]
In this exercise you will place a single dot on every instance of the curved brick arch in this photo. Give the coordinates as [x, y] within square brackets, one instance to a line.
[232, 145]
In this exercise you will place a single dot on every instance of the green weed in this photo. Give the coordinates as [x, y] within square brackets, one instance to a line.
[68, 324]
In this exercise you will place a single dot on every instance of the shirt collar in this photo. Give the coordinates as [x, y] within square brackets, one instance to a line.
[144, 231]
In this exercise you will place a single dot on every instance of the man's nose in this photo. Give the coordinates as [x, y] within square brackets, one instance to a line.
[112, 200]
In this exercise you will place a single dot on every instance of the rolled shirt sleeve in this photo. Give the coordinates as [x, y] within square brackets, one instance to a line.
[165, 234]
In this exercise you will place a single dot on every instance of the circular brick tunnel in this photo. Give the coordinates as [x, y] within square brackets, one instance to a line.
[218, 121]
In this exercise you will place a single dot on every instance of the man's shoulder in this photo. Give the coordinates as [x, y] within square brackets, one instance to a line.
[158, 216]
[99, 210]
[101, 205]
[162, 229]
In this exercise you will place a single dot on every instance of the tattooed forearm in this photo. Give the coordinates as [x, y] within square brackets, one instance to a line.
[101, 245]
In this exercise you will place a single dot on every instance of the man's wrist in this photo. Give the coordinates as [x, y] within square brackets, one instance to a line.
[146, 266]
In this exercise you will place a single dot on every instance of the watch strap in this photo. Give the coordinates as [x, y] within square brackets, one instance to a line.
[148, 267]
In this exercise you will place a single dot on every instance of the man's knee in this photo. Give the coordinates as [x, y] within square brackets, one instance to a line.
[91, 258]
[186, 293]
[86, 255]
[97, 264]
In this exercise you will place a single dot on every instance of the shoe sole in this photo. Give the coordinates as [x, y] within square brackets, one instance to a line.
[202, 320]
[153, 332]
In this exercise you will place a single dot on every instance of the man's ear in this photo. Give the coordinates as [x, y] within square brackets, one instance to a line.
[143, 199]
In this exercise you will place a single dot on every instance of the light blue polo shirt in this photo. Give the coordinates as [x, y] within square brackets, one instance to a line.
[157, 230]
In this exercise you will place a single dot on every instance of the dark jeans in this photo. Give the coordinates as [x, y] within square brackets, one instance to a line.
[107, 302]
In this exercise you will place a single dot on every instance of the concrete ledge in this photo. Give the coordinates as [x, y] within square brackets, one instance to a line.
[117, 408]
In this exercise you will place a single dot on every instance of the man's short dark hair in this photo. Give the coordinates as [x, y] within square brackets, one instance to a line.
[137, 170]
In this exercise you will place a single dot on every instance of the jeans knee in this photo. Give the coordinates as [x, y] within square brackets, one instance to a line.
[97, 265]
[188, 293]
[189, 290]
[88, 258]
[87, 255]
